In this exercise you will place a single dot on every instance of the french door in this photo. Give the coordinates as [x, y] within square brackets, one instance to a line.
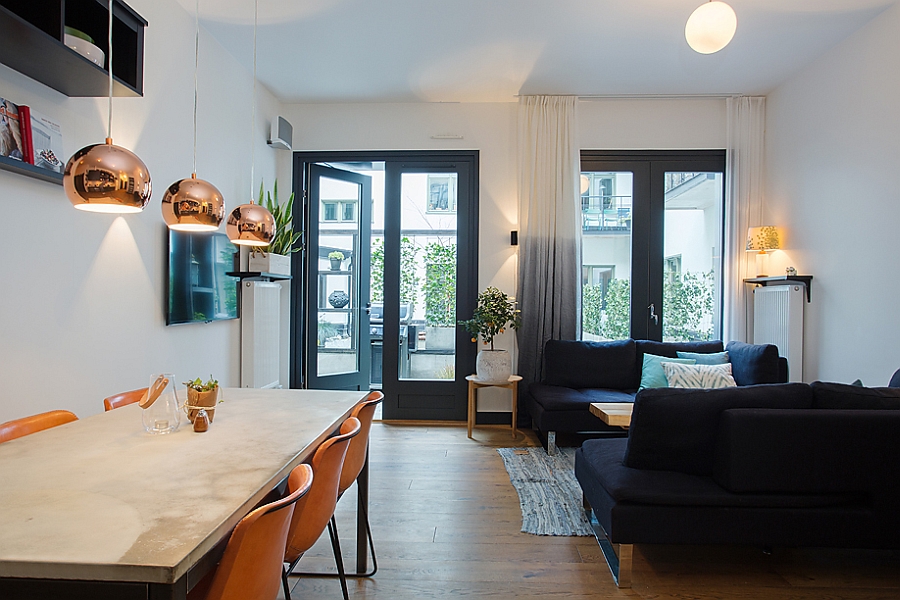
[419, 247]
[336, 261]
[652, 235]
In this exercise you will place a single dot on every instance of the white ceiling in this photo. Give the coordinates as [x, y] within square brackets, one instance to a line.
[492, 50]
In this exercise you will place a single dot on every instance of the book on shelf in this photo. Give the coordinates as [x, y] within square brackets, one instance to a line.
[11, 145]
[46, 142]
[25, 128]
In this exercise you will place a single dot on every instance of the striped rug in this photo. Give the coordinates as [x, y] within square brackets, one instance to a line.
[549, 494]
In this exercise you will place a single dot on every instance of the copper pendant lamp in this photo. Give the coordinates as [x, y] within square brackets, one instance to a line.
[193, 204]
[251, 224]
[104, 177]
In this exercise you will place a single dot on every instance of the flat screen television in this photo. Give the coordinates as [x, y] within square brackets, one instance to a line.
[199, 291]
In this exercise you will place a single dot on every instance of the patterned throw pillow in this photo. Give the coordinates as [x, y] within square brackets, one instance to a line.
[698, 376]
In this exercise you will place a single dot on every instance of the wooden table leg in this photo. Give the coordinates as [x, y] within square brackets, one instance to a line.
[515, 401]
[471, 415]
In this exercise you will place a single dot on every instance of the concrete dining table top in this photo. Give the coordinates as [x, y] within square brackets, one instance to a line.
[100, 499]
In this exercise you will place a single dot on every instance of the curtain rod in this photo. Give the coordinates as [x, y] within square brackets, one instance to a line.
[588, 97]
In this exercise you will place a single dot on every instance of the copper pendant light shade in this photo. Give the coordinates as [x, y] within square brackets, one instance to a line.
[193, 205]
[107, 178]
[250, 225]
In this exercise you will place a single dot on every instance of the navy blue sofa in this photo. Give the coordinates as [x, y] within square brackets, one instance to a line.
[770, 465]
[578, 373]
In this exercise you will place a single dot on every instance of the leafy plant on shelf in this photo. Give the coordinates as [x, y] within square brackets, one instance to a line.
[200, 386]
[286, 240]
[495, 312]
[336, 255]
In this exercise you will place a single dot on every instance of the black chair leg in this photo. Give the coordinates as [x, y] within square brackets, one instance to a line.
[338, 559]
[365, 514]
[284, 583]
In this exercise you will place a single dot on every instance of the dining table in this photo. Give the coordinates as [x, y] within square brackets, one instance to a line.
[99, 508]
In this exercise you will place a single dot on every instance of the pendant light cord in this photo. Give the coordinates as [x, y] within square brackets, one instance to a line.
[196, 68]
[109, 56]
[253, 109]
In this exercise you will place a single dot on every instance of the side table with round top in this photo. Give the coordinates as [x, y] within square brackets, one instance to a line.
[475, 383]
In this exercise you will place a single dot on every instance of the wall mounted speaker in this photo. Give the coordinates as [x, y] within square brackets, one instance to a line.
[281, 134]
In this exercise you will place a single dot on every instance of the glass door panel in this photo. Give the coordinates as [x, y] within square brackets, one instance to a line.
[338, 279]
[692, 256]
[607, 204]
[428, 266]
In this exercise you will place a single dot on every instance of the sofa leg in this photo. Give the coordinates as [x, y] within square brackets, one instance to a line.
[552, 450]
[618, 556]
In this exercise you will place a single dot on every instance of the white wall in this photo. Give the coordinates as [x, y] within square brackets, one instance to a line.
[82, 315]
[491, 129]
[833, 149]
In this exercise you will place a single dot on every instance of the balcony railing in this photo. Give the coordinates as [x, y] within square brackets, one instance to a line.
[606, 213]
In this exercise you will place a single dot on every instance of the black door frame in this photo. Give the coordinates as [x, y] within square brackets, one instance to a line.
[467, 272]
[648, 220]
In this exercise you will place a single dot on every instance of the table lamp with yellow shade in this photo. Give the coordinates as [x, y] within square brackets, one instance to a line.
[761, 240]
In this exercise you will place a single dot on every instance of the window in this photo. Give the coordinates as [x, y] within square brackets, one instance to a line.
[339, 211]
[672, 269]
[441, 194]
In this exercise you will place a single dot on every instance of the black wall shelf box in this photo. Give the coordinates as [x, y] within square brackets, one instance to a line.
[31, 42]
[784, 280]
[258, 275]
[23, 168]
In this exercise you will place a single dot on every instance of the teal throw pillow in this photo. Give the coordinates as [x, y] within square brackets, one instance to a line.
[699, 376]
[711, 358]
[652, 375]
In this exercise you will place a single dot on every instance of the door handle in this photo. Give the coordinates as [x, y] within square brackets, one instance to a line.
[653, 314]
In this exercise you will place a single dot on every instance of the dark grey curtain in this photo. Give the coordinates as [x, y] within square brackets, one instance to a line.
[550, 228]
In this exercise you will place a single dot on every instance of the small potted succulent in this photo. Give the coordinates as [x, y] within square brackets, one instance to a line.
[495, 312]
[336, 258]
[203, 395]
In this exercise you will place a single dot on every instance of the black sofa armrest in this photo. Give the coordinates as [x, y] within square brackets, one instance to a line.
[753, 364]
[809, 451]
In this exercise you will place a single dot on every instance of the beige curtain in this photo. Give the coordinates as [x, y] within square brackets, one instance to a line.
[550, 228]
[744, 171]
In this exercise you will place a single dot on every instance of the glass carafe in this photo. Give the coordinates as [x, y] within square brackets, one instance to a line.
[161, 409]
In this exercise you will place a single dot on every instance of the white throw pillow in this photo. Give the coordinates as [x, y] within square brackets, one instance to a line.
[698, 376]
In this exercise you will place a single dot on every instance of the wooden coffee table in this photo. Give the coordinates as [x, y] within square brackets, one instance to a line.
[617, 414]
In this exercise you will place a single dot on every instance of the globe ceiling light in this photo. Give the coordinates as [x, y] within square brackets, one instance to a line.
[711, 27]
[104, 177]
[193, 204]
[107, 178]
[251, 224]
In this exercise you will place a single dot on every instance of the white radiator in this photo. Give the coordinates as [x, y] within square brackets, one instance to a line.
[260, 331]
[778, 319]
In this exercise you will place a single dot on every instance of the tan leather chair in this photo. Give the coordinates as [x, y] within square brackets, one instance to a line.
[123, 399]
[357, 455]
[251, 567]
[314, 511]
[28, 425]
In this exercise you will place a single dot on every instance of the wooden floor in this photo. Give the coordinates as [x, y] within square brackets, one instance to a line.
[446, 525]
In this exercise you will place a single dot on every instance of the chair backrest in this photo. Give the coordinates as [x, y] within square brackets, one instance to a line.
[123, 399]
[28, 425]
[359, 445]
[314, 510]
[251, 567]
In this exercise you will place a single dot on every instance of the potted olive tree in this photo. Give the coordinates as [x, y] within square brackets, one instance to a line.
[495, 312]
[276, 257]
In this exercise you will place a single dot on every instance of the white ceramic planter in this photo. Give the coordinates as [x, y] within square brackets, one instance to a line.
[493, 366]
[277, 264]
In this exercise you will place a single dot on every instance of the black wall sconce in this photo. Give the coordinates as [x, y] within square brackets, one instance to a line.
[513, 238]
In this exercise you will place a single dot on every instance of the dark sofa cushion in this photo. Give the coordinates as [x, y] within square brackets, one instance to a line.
[753, 364]
[599, 462]
[676, 429]
[555, 397]
[577, 365]
[669, 349]
[809, 451]
[844, 396]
